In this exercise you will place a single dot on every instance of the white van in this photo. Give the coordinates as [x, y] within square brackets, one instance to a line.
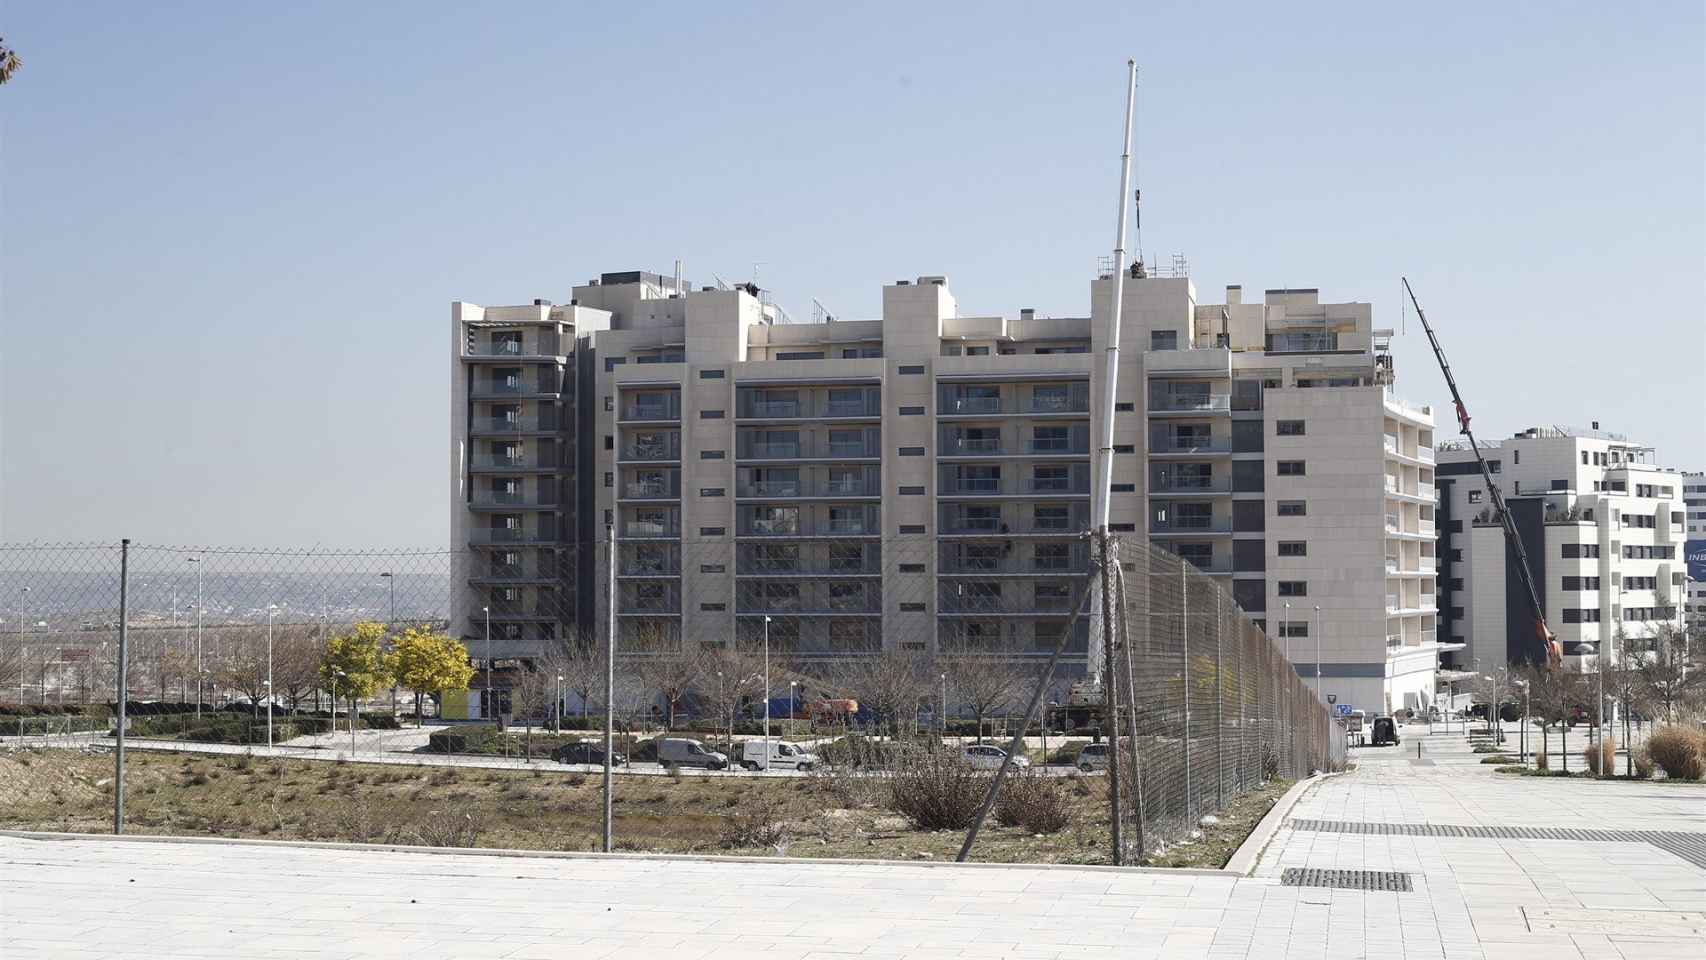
[682, 752]
[783, 756]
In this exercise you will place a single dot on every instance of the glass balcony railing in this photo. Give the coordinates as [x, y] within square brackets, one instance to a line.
[510, 425]
[1170, 484]
[773, 451]
[522, 461]
[1190, 403]
[651, 411]
[649, 490]
[972, 445]
[506, 499]
[853, 527]
[653, 450]
[776, 408]
[971, 405]
[1191, 525]
[1188, 443]
[650, 528]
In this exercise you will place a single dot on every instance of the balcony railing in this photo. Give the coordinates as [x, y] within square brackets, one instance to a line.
[1190, 403]
[651, 489]
[544, 346]
[652, 411]
[653, 450]
[511, 425]
[810, 408]
[807, 487]
[1425, 453]
[1167, 484]
[776, 408]
[524, 461]
[971, 445]
[512, 571]
[1057, 445]
[971, 405]
[650, 528]
[510, 535]
[1189, 443]
[510, 388]
[1075, 560]
[1191, 525]
[955, 602]
[492, 498]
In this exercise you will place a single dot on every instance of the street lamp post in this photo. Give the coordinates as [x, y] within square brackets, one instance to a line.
[1285, 634]
[199, 669]
[390, 624]
[767, 747]
[559, 703]
[486, 703]
[23, 616]
[1522, 736]
[944, 723]
[272, 608]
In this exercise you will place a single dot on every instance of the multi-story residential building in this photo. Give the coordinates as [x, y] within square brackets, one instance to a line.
[922, 481]
[1694, 505]
[1603, 530]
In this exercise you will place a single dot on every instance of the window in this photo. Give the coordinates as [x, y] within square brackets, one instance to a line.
[912, 451]
[710, 374]
[609, 442]
[1163, 339]
[977, 351]
[710, 531]
[907, 528]
[1640, 583]
[711, 568]
[1292, 508]
[1123, 487]
[907, 370]
[1124, 448]
[710, 414]
[1295, 629]
[911, 411]
[1294, 588]
[912, 608]
[1053, 517]
[711, 454]
[1584, 458]
[611, 363]
[1516, 456]
[1578, 584]
[800, 355]
[710, 491]
[1575, 615]
[1127, 407]
[1291, 468]
[1123, 527]
[1294, 548]
[609, 479]
[1580, 551]
[1288, 428]
[609, 404]
[912, 568]
[713, 606]
[911, 491]
[1475, 495]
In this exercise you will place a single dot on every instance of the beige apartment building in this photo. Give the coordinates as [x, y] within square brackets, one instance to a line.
[922, 480]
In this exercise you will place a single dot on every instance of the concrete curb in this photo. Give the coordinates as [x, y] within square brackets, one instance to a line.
[1250, 852]
[591, 855]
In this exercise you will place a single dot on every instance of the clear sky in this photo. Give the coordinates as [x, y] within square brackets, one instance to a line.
[232, 231]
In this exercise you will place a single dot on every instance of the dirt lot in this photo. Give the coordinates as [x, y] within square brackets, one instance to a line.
[818, 816]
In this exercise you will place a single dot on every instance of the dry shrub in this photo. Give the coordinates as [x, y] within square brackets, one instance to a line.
[1643, 764]
[1603, 758]
[1540, 760]
[1033, 802]
[936, 790]
[1679, 751]
[755, 823]
[443, 829]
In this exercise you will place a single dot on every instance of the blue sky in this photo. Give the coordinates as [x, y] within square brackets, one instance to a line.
[231, 232]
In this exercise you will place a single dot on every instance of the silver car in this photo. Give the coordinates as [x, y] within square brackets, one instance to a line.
[986, 757]
[1094, 756]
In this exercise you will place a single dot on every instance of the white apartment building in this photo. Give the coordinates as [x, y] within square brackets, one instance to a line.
[922, 480]
[1603, 530]
[1694, 505]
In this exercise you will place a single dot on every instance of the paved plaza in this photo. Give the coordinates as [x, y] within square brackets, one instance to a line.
[1472, 896]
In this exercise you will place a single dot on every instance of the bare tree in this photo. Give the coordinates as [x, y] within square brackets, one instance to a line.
[11, 665]
[1670, 680]
[1492, 688]
[243, 668]
[672, 676]
[1554, 697]
[581, 665]
[297, 651]
[530, 693]
[982, 682]
[891, 684]
[731, 678]
[1623, 686]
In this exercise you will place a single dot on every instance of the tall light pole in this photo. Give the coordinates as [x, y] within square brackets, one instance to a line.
[559, 703]
[272, 608]
[1318, 692]
[766, 692]
[390, 624]
[944, 723]
[486, 703]
[1522, 738]
[23, 616]
[200, 671]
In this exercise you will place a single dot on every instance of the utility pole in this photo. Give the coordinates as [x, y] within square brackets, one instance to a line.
[200, 671]
[123, 680]
[609, 684]
[1104, 489]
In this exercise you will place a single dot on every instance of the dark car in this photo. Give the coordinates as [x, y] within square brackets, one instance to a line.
[1383, 731]
[584, 752]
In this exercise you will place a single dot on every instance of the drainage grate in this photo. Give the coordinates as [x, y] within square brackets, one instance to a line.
[1689, 846]
[1389, 880]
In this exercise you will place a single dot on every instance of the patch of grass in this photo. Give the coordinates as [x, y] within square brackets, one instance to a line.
[1498, 758]
[1221, 840]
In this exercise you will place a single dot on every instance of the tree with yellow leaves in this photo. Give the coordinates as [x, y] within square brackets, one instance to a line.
[354, 664]
[428, 662]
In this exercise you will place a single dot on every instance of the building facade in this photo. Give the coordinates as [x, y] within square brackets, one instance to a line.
[1601, 524]
[1694, 505]
[922, 481]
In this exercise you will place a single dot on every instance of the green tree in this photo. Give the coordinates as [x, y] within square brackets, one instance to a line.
[9, 61]
[428, 662]
[354, 663]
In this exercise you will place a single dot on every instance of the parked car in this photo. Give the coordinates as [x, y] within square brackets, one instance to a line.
[1094, 756]
[986, 757]
[783, 756]
[682, 752]
[585, 751]
[1383, 731]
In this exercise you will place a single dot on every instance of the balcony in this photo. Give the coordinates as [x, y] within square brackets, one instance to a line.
[544, 346]
[1190, 403]
[1302, 342]
[1187, 486]
[512, 425]
[1190, 527]
[1069, 525]
[953, 446]
[523, 461]
[1162, 444]
[828, 488]
[951, 602]
[1073, 561]
[650, 529]
[808, 449]
[501, 535]
[652, 450]
[867, 405]
[653, 412]
[516, 573]
[512, 387]
[536, 501]
[1057, 446]
[1210, 565]
[665, 488]
[1425, 454]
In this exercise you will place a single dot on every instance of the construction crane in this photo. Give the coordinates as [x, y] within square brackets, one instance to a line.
[1552, 653]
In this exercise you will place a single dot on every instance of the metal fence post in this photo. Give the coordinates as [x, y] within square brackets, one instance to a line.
[1219, 708]
[123, 680]
[1185, 663]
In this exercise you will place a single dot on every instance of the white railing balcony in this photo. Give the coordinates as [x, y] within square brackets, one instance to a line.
[974, 445]
[1430, 564]
[973, 405]
[1190, 403]
[1425, 453]
[1392, 604]
[776, 408]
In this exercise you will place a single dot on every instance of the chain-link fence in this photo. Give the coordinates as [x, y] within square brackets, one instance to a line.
[889, 635]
